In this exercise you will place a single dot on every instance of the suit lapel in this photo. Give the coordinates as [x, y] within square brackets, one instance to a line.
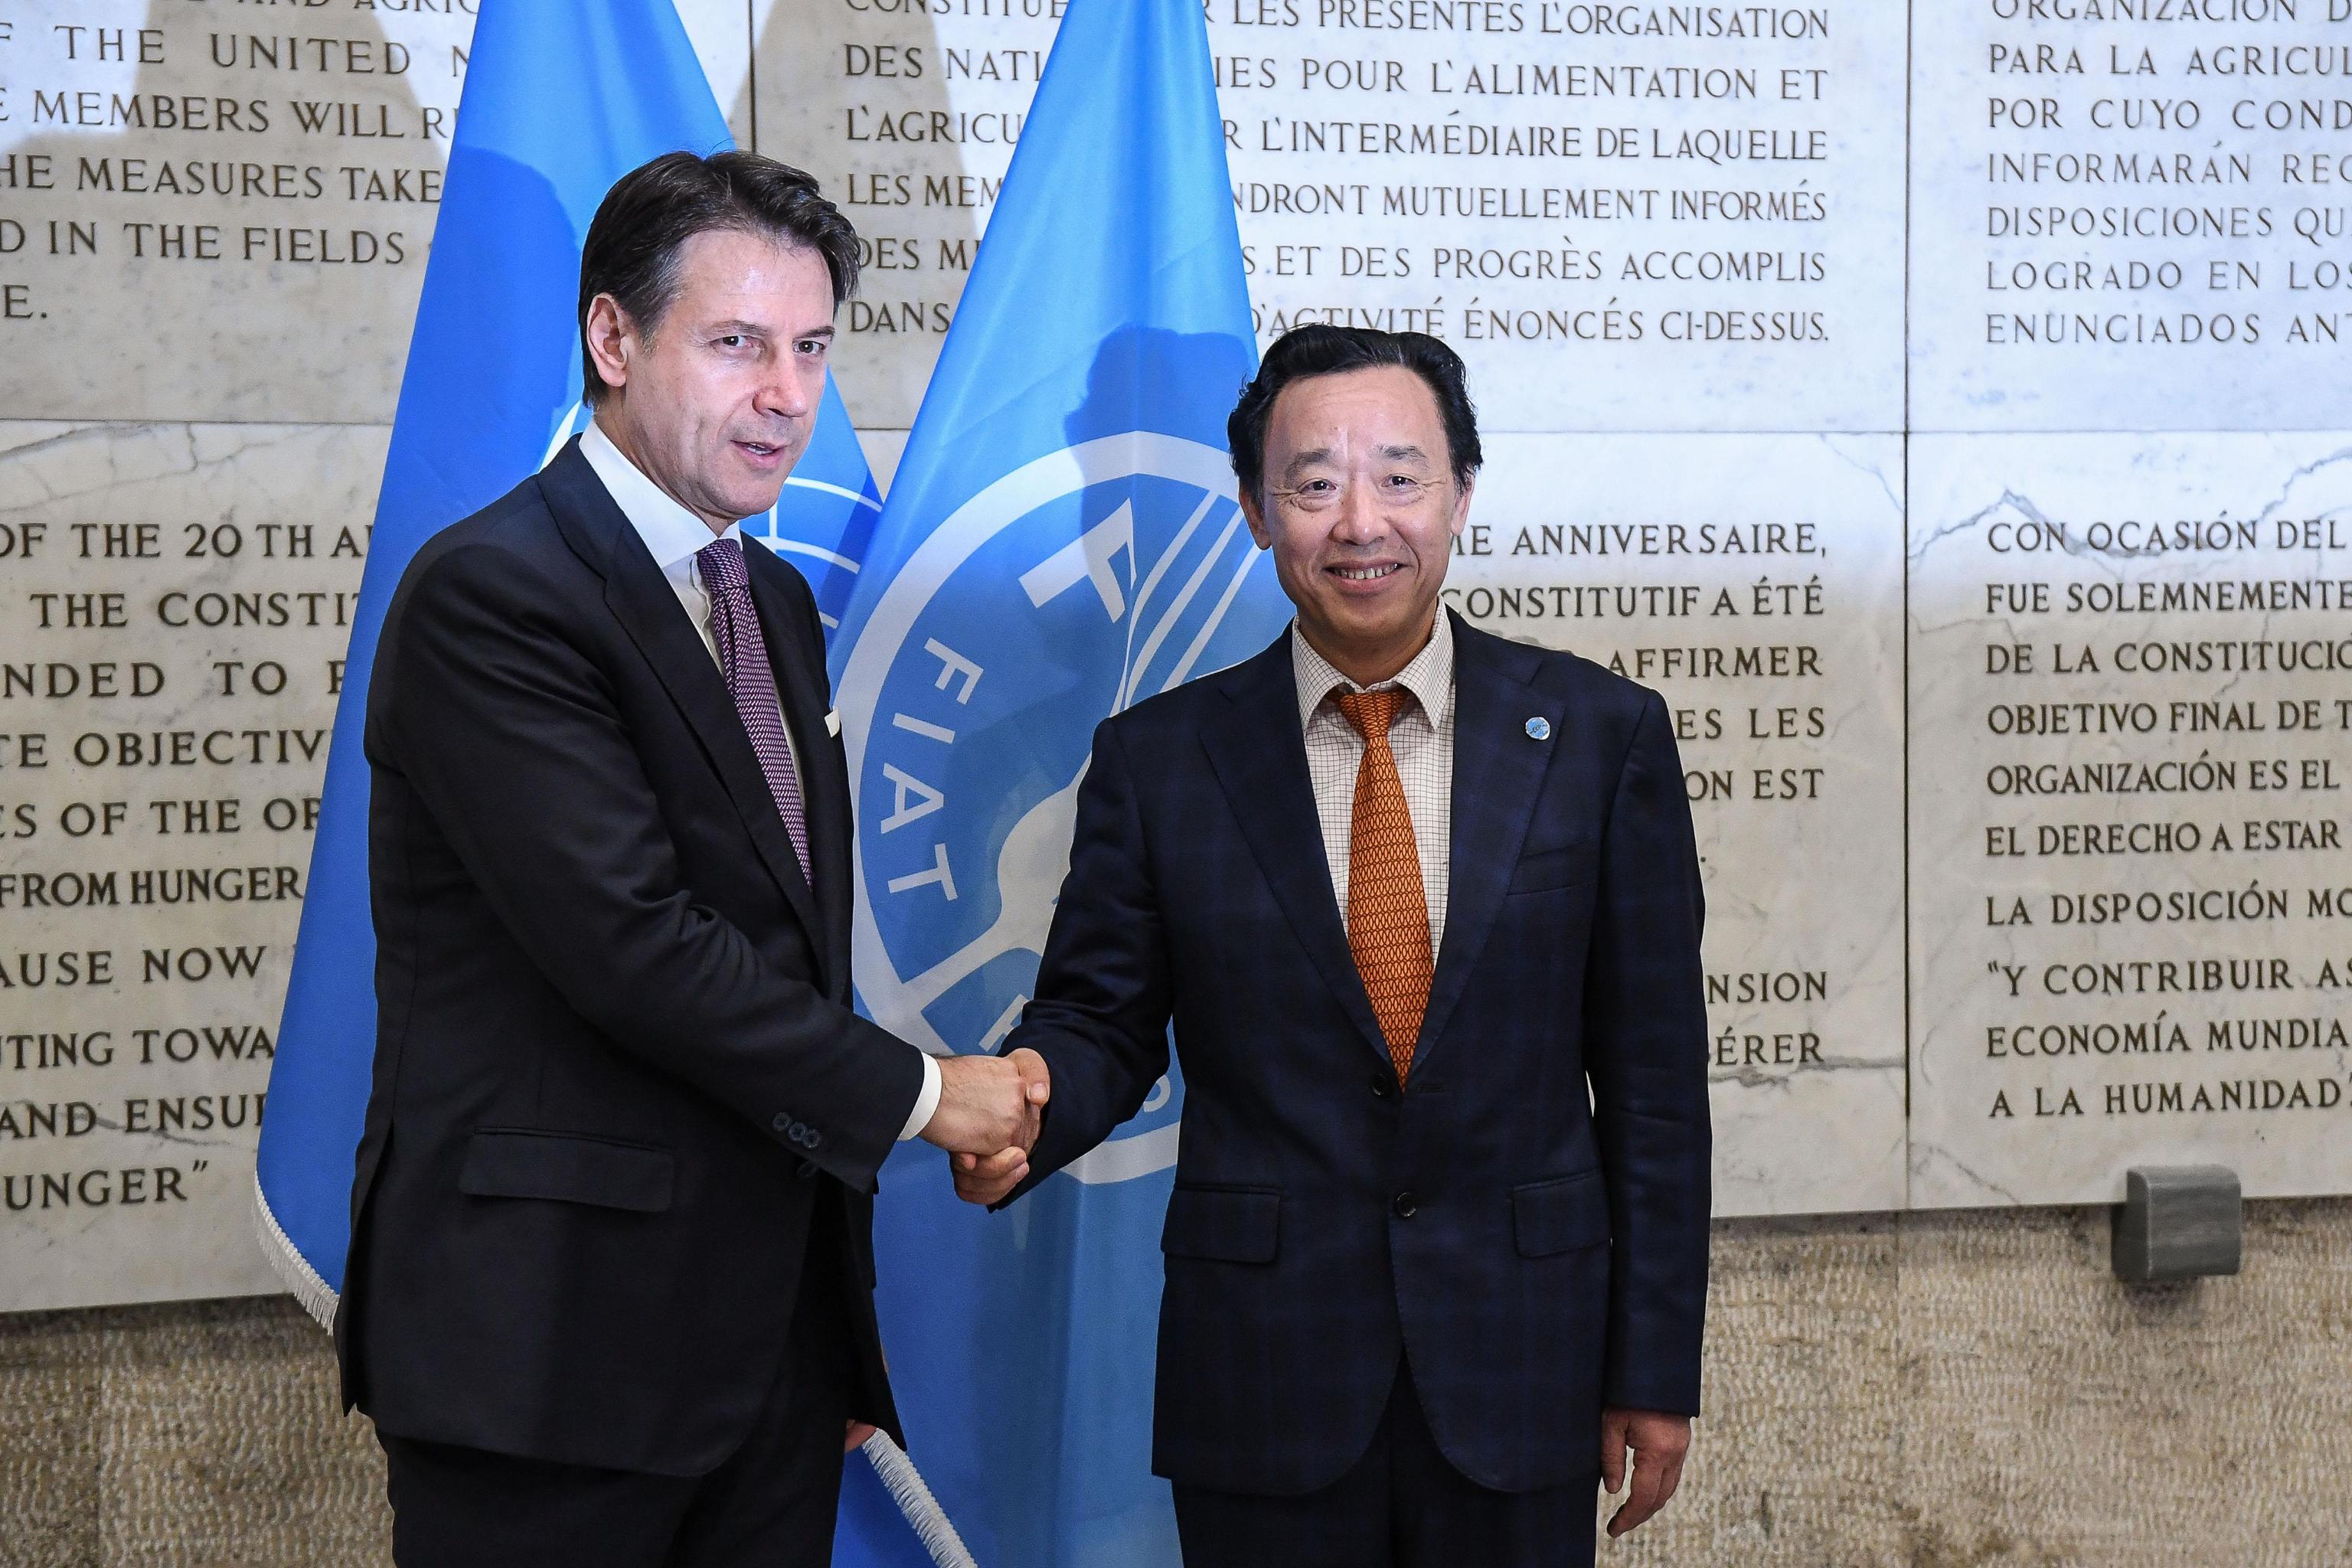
[824, 783]
[1260, 758]
[641, 599]
[1497, 772]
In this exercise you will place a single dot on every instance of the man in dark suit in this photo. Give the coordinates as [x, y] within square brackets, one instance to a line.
[609, 1298]
[1424, 907]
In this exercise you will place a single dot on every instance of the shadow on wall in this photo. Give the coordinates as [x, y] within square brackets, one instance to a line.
[811, 65]
[230, 245]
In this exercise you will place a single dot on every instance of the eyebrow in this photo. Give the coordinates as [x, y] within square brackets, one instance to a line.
[757, 329]
[1302, 461]
[1315, 456]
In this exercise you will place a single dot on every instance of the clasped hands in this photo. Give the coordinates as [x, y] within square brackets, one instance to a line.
[989, 1111]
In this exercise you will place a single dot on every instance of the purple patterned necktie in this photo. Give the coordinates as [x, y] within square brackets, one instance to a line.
[752, 681]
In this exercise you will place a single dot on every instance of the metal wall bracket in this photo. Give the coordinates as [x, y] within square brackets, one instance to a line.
[2179, 1221]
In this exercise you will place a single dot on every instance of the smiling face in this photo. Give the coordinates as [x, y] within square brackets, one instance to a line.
[1360, 509]
[717, 403]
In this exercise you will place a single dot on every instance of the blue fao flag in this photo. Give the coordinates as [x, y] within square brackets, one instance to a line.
[1061, 539]
[560, 101]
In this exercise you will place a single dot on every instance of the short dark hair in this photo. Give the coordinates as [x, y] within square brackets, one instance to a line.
[1320, 350]
[653, 210]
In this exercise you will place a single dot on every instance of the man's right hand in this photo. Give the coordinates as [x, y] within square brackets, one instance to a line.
[989, 1104]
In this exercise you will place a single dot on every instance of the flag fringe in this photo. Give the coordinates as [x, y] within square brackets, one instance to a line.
[906, 1489]
[318, 1298]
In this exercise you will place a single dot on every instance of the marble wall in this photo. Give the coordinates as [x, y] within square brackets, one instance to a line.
[169, 696]
[1940, 405]
[2128, 879]
[2127, 580]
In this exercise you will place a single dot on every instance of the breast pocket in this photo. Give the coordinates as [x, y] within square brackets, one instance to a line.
[562, 1167]
[1542, 870]
[1229, 1225]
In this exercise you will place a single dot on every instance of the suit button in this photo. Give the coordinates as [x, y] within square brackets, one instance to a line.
[1383, 1084]
[1404, 1206]
[784, 1121]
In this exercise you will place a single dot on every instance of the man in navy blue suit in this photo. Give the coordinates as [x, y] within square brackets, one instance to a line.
[610, 1295]
[1423, 908]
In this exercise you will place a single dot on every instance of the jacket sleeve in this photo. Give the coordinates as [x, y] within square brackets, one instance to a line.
[506, 730]
[1099, 1016]
[1645, 1051]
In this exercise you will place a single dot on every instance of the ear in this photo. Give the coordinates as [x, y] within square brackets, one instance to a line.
[612, 340]
[1253, 512]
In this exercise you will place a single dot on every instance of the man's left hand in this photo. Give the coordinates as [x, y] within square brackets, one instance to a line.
[1659, 1442]
[988, 1182]
[859, 1432]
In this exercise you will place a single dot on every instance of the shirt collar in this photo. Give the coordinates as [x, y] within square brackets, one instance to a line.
[672, 534]
[1430, 676]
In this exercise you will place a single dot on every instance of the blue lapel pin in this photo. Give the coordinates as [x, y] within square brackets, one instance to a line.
[1538, 728]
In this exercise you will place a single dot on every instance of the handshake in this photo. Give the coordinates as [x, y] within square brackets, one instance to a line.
[989, 1113]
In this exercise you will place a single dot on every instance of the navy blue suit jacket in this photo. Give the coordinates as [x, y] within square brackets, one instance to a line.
[1526, 1220]
[616, 1070]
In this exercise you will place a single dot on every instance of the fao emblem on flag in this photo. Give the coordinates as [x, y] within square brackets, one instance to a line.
[1069, 589]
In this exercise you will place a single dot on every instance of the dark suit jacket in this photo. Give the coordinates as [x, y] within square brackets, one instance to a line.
[617, 1068]
[1526, 1220]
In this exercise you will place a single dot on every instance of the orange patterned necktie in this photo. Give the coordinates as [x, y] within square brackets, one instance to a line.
[1388, 909]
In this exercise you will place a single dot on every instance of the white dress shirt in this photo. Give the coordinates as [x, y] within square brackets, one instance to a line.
[675, 536]
[1422, 740]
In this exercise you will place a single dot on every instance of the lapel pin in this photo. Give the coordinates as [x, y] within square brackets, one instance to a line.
[1538, 728]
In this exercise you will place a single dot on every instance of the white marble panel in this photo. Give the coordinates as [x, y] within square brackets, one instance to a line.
[2130, 693]
[176, 607]
[224, 214]
[2131, 217]
[218, 212]
[1626, 224]
[1756, 581]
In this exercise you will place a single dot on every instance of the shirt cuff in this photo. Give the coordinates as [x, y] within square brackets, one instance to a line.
[927, 1102]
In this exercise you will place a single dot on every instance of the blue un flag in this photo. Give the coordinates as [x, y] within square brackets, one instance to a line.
[1061, 541]
[825, 521]
[560, 101]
